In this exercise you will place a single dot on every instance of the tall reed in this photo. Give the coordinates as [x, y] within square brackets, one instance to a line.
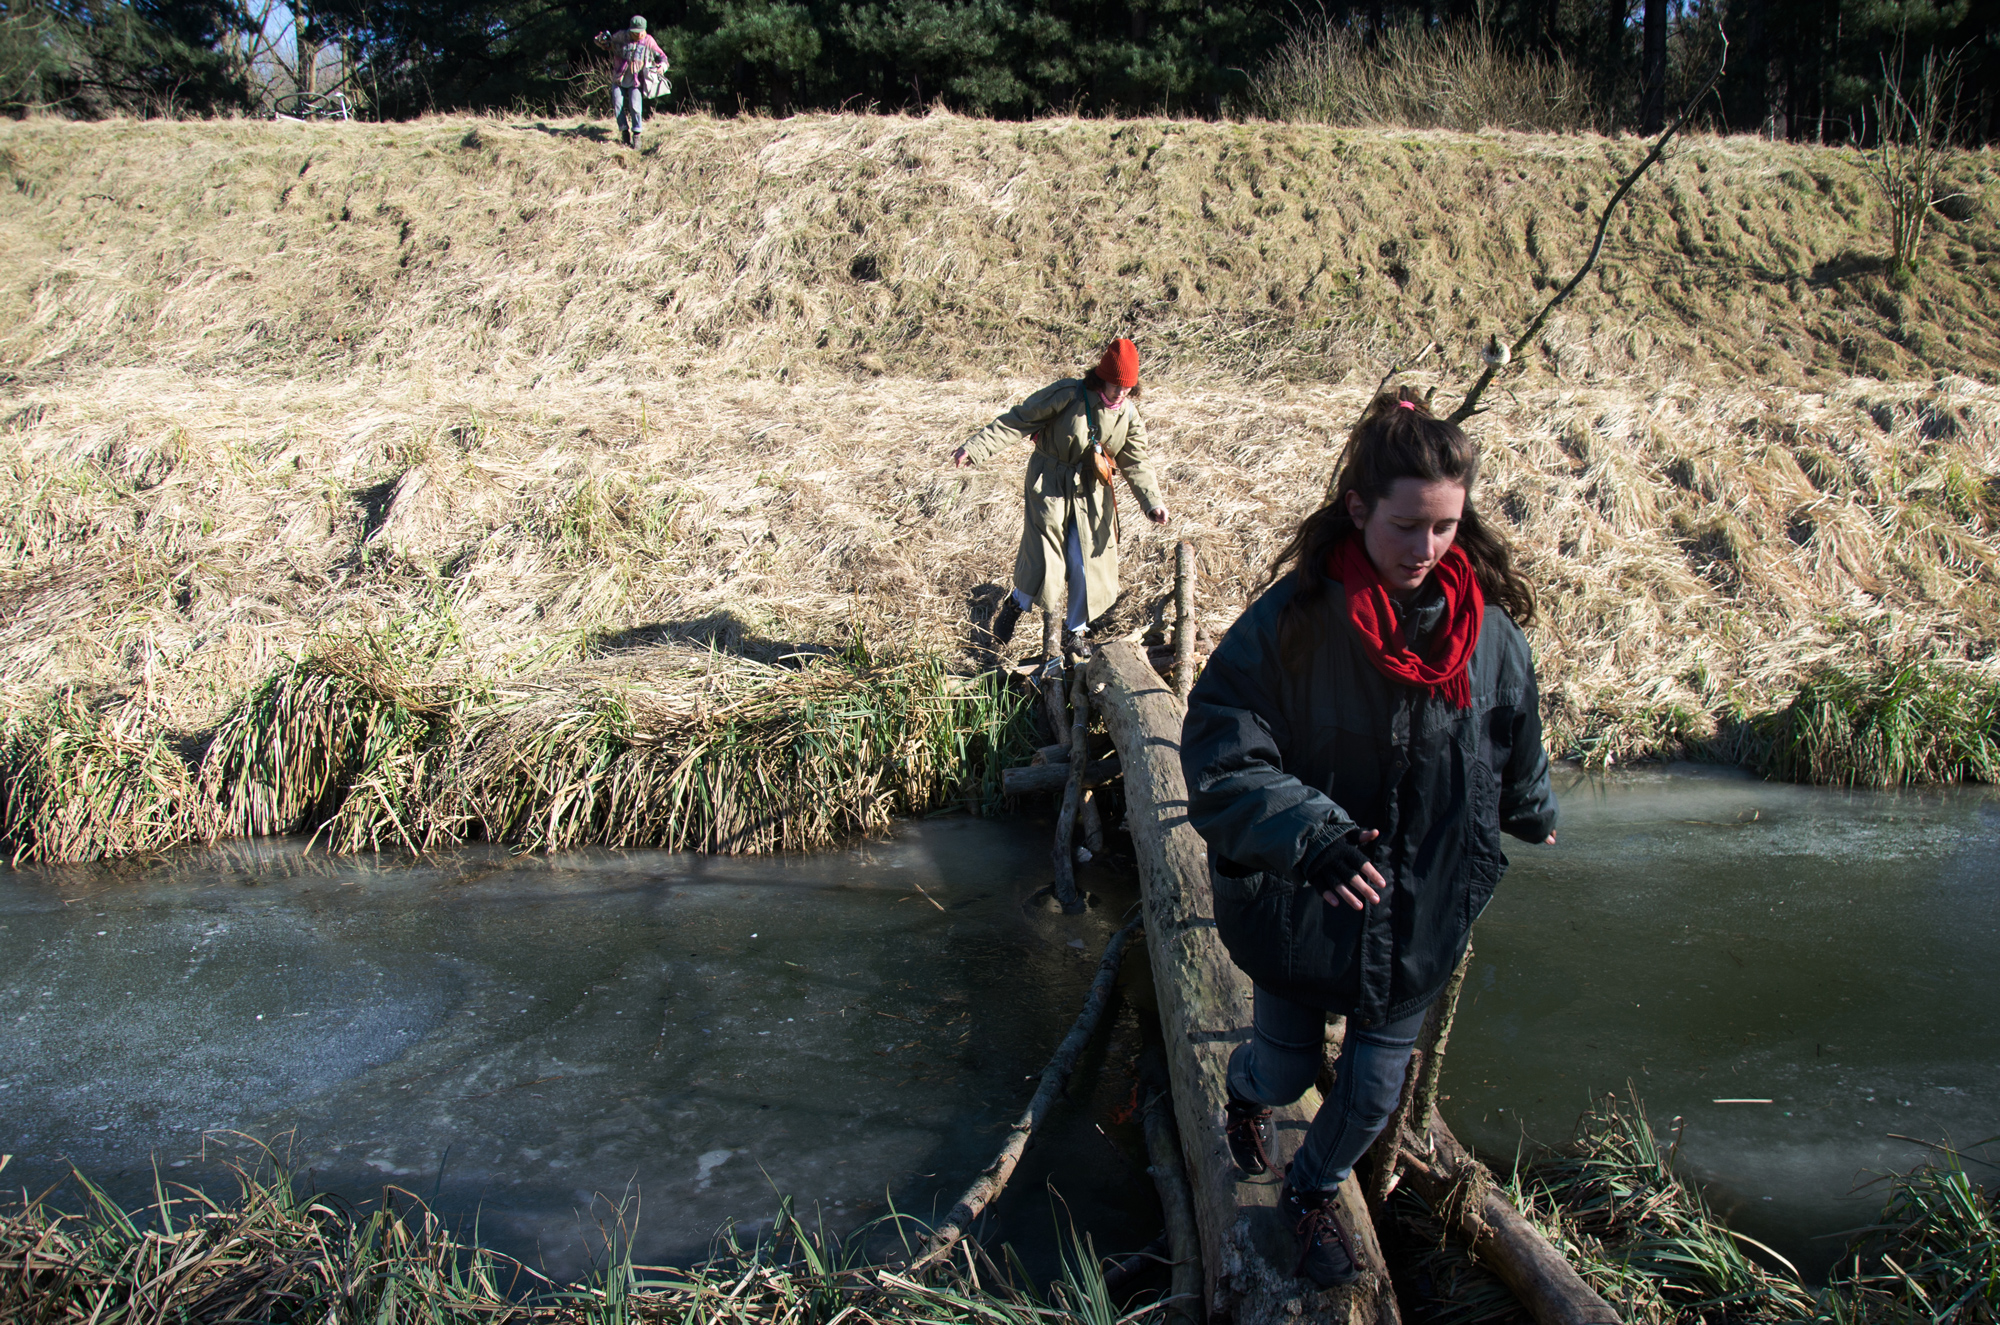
[685, 750]
[1906, 722]
[1458, 76]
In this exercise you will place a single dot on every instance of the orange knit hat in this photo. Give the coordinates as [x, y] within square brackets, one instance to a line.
[1120, 364]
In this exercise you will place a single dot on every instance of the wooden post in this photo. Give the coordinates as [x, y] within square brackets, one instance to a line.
[1079, 753]
[1420, 1086]
[1090, 820]
[1184, 626]
[1439, 1037]
[1247, 1248]
[1051, 682]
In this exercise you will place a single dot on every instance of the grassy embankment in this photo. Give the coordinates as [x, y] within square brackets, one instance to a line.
[537, 406]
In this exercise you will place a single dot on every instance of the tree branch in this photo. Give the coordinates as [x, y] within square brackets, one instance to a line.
[1470, 406]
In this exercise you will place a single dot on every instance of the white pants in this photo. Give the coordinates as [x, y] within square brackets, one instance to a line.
[1077, 620]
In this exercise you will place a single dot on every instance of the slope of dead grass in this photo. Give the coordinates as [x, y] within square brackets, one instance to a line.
[532, 402]
[941, 246]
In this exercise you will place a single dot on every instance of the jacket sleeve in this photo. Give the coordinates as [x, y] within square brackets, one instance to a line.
[1018, 422]
[1527, 801]
[1132, 460]
[1249, 810]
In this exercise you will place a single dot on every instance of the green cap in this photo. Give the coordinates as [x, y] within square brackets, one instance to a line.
[638, 24]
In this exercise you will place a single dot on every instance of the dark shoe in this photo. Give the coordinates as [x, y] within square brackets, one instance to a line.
[624, 137]
[1076, 645]
[1325, 1255]
[1005, 620]
[1247, 1126]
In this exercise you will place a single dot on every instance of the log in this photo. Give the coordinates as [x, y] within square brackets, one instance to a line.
[1163, 1157]
[1247, 1249]
[1500, 1236]
[1042, 779]
[993, 1181]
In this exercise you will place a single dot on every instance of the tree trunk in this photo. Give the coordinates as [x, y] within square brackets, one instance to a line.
[1653, 82]
[1204, 1001]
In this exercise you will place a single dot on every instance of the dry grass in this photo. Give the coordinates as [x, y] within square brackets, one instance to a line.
[528, 253]
[175, 541]
[529, 409]
[274, 1254]
[1458, 76]
[681, 750]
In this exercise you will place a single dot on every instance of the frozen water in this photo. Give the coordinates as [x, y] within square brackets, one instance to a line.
[1706, 936]
[534, 1039]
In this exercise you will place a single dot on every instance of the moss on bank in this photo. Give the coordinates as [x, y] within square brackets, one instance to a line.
[680, 750]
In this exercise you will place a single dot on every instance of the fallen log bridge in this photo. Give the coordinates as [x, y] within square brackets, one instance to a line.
[1247, 1250]
[1247, 1247]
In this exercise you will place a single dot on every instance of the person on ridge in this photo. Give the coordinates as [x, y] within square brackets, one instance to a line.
[1084, 431]
[633, 54]
[1355, 747]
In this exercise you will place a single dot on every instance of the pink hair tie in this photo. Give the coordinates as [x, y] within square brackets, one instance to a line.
[1407, 404]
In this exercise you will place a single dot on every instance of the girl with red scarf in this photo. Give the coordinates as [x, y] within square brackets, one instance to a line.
[1354, 749]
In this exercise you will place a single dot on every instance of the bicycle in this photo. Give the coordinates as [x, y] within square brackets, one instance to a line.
[303, 106]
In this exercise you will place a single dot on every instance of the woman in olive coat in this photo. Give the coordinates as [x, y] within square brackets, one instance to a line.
[1069, 534]
[1354, 750]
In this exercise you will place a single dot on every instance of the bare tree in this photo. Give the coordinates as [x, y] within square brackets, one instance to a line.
[1913, 129]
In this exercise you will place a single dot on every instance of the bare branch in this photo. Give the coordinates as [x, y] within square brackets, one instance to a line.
[1470, 405]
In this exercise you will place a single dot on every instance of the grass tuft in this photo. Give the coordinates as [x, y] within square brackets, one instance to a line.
[1900, 723]
[1935, 1255]
[273, 1255]
[1644, 1237]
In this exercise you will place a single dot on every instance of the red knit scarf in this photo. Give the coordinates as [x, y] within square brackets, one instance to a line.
[1448, 672]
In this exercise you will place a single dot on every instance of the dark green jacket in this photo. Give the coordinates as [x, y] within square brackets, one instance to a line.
[1281, 764]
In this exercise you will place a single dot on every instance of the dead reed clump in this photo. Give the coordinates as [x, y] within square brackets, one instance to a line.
[275, 1254]
[1458, 76]
[683, 750]
[1643, 1236]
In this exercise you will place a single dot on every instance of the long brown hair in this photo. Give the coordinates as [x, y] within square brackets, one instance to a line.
[1399, 437]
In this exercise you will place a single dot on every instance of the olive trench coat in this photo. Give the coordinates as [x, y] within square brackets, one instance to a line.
[1062, 485]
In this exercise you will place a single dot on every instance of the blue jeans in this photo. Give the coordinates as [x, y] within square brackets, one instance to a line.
[628, 101]
[1079, 601]
[1282, 1058]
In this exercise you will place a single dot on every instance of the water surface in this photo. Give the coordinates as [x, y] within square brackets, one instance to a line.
[1706, 936]
[535, 1039]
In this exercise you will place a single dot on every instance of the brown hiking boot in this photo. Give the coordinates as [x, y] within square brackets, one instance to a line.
[1325, 1255]
[1247, 1127]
